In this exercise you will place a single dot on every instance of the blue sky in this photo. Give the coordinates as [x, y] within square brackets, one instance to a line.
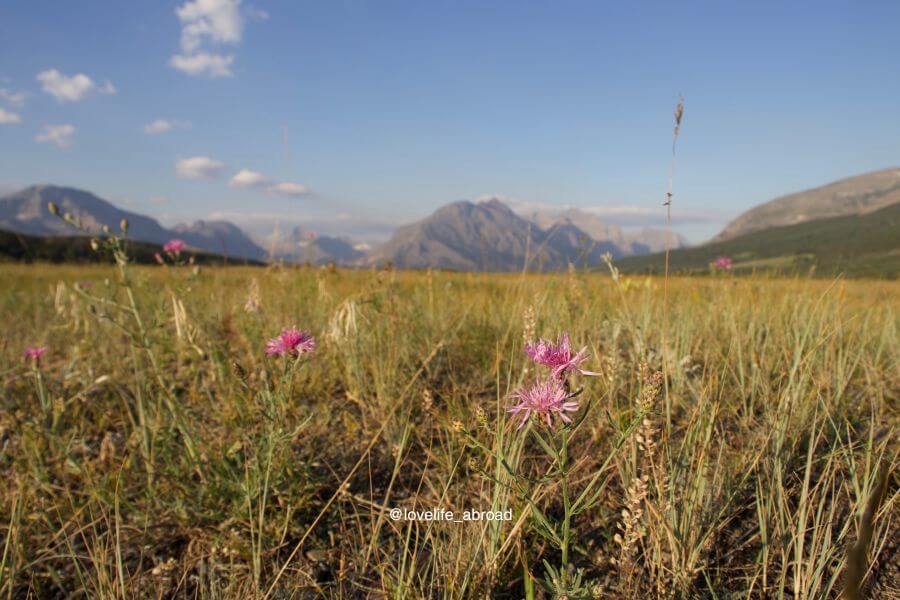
[353, 117]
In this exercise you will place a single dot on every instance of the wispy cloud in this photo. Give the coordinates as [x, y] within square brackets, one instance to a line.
[288, 189]
[163, 125]
[205, 26]
[72, 88]
[250, 179]
[199, 167]
[60, 135]
[16, 99]
[247, 178]
[203, 64]
[8, 117]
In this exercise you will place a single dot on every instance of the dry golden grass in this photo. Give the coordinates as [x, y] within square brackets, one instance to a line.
[170, 457]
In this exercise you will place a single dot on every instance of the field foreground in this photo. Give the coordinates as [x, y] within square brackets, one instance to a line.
[155, 450]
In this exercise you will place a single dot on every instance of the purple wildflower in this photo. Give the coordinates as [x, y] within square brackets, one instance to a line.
[543, 399]
[559, 356]
[174, 246]
[291, 341]
[35, 352]
[723, 263]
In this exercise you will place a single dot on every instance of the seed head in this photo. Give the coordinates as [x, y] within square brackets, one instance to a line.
[481, 416]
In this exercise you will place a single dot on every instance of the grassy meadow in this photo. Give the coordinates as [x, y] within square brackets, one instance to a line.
[156, 451]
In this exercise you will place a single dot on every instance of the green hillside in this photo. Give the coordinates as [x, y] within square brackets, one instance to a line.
[77, 249]
[858, 246]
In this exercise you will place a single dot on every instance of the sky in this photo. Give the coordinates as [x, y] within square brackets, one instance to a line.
[353, 117]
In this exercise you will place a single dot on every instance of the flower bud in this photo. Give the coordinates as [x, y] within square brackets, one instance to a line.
[123, 225]
[95, 244]
[53, 208]
[481, 416]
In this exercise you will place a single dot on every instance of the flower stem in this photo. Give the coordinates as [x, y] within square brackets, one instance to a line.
[567, 509]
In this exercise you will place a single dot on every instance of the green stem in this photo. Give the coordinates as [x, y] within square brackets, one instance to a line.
[122, 261]
[41, 390]
[567, 510]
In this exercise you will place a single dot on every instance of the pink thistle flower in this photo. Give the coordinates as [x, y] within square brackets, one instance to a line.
[174, 246]
[291, 341]
[723, 263]
[559, 356]
[543, 400]
[158, 258]
[35, 352]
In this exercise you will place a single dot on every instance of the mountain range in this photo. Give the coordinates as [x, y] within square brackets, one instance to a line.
[27, 212]
[851, 196]
[490, 236]
[847, 226]
[866, 244]
[304, 246]
[851, 226]
[627, 243]
[461, 236]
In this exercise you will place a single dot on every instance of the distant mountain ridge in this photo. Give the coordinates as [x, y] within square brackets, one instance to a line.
[856, 195]
[860, 245]
[627, 243]
[26, 212]
[304, 246]
[220, 237]
[77, 249]
[490, 236]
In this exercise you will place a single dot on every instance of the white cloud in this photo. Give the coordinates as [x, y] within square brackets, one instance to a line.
[286, 188]
[16, 99]
[71, 89]
[164, 125]
[206, 24]
[61, 135]
[8, 118]
[246, 178]
[250, 179]
[203, 64]
[199, 167]
[218, 20]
